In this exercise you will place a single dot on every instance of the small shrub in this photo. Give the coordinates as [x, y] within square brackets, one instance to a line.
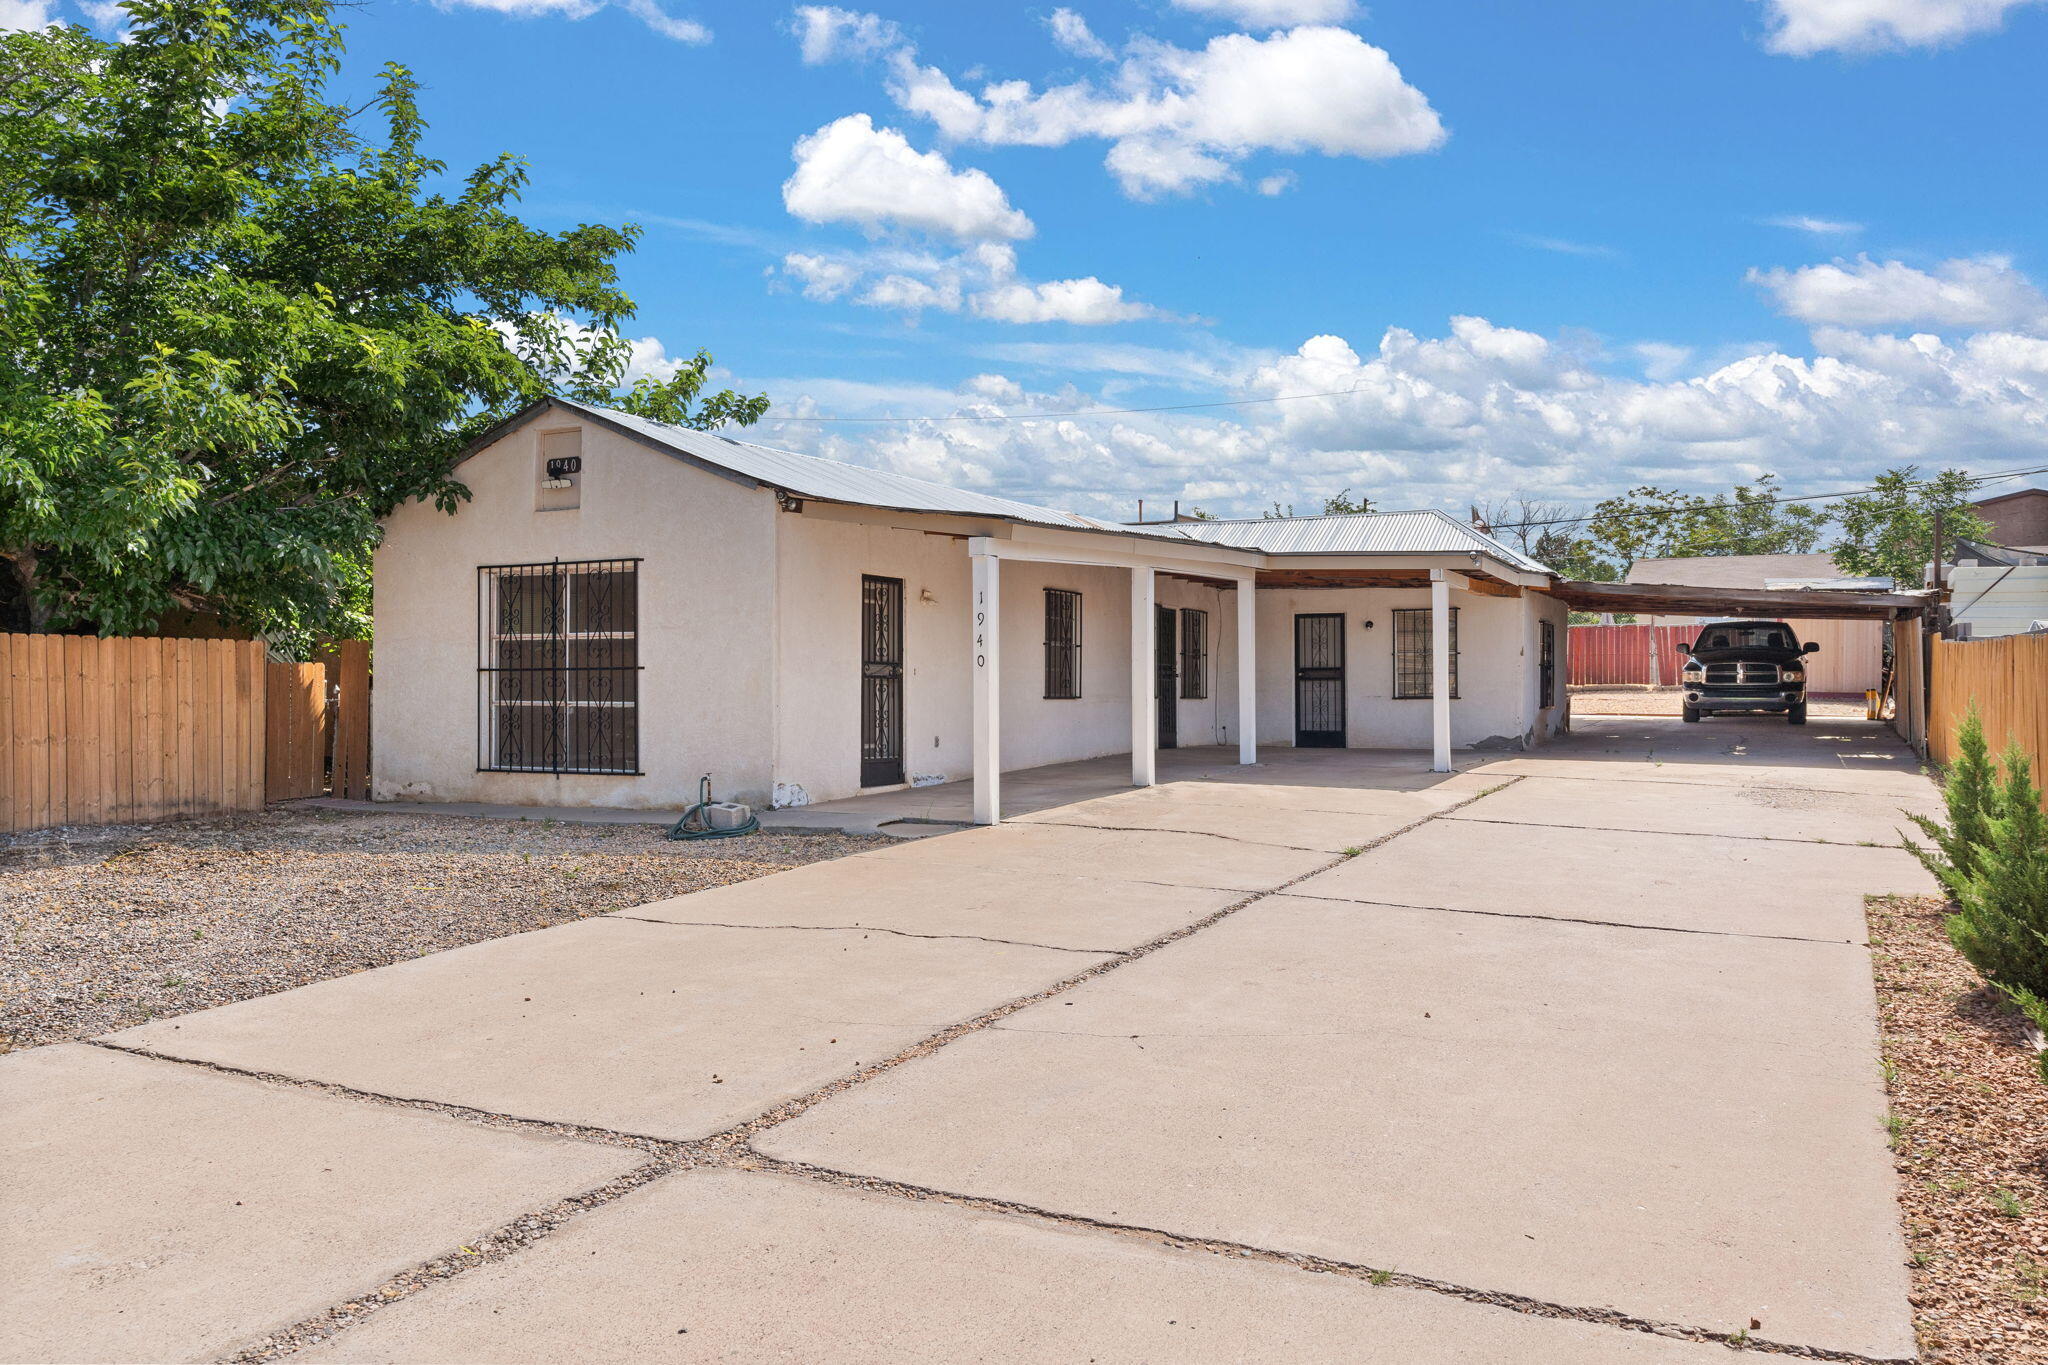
[1970, 790]
[2001, 919]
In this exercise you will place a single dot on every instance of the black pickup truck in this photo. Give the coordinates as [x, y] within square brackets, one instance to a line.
[1746, 666]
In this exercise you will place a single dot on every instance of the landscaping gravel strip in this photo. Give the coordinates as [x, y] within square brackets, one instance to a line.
[1970, 1133]
[114, 926]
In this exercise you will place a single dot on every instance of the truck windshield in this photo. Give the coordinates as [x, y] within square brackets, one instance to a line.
[1747, 635]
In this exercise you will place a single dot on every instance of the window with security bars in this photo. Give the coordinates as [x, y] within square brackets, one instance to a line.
[1412, 666]
[1547, 666]
[558, 686]
[1194, 653]
[1062, 644]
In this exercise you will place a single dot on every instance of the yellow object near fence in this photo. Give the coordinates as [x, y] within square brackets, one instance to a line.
[2006, 679]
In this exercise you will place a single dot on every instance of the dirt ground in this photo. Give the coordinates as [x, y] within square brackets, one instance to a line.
[1970, 1137]
[113, 926]
[1667, 701]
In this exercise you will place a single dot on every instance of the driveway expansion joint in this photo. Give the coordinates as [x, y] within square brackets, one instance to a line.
[862, 929]
[1153, 829]
[729, 1148]
[488, 1118]
[1680, 833]
[747, 1158]
[1573, 919]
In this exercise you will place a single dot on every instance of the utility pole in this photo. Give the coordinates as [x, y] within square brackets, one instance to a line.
[1940, 610]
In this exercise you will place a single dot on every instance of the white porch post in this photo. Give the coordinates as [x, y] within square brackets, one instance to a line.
[1144, 704]
[1247, 671]
[1440, 667]
[987, 642]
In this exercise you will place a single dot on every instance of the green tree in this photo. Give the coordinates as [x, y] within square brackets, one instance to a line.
[2001, 917]
[1660, 523]
[237, 330]
[1889, 531]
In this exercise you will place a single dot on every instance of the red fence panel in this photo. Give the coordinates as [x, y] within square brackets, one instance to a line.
[1639, 655]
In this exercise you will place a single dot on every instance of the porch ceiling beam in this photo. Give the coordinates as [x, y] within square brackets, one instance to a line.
[1681, 599]
[1487, 586]
[1108, 559]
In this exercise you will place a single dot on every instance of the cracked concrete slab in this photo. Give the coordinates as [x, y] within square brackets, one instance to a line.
[663, 1030]
[161, 1212]
[1172, 858]
[1696, 808]
[1676, 881]
[1254, 817]
[1683, 1128]
[915, 896]
[674, 1273]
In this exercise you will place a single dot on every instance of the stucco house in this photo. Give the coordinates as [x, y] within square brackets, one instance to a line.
[624, 606]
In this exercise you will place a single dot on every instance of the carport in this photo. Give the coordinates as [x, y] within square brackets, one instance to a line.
[1904, 610]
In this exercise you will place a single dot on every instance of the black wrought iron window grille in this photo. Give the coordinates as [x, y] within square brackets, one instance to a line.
[1413, 666]
[1062, 644]
[1194, 653]
[1547, 666]
[558, 667]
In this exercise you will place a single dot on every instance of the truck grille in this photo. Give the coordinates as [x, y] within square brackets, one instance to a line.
[1742, 675]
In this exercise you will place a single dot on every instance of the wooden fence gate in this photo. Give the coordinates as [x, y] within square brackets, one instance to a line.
[114, 731]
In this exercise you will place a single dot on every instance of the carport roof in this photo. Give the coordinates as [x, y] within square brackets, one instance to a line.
[1682, 599]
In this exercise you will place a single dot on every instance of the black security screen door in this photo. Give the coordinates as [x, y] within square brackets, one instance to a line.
[1166, 675]
[1319, 681]
[881, 681]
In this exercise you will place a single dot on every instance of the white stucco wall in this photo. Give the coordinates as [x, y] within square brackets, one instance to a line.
[1497, 681]
[706, 611]
[820, 564]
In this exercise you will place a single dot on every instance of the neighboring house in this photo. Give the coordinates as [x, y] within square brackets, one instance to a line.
[1851, 657]
[1996, 590]
[622, 607]
[2019, 520]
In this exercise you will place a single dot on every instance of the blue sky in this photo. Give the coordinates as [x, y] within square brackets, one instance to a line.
[1554, 249]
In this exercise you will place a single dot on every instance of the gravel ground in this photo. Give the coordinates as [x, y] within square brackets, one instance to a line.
[1666, 701]
[1970, 1130]
[112, 926]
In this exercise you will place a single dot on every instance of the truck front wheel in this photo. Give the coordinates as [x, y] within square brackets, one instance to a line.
[1796, 713]
[1690, 715]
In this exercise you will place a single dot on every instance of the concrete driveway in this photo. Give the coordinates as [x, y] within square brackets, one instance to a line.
[1568, 1057]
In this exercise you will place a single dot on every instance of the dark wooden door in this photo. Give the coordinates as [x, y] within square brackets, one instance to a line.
[1319, 681]
[1166, 674]
[881, 681]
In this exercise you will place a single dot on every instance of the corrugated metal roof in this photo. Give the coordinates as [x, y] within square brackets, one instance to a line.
[811, 476]
[1360, 533]
[1731, 571]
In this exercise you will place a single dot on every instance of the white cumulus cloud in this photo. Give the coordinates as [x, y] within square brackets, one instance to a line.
[827, 33]
[1177, 118]
[1801, 28]
[1973, 292]
[982, 281]
[1086, 302]
[1071, 32]
[1419, 421]
[850, 171]
[27, 14]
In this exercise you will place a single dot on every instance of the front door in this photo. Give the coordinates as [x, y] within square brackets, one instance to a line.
[881, 681]
[1319, 681]
[1165, 674]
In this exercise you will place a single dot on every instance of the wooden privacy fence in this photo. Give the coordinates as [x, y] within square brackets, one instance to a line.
[110, 731]
[2006, 679]
[1623, 654]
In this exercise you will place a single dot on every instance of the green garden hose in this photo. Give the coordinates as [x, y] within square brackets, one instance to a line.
[684, 829]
